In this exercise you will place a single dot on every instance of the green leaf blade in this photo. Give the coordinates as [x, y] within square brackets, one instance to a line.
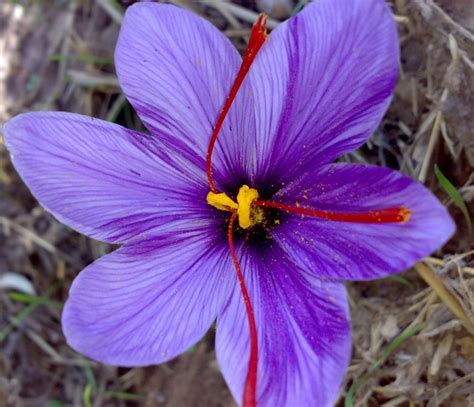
[454, 194]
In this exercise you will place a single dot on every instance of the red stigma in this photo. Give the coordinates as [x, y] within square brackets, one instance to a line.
[250, 389]
[389, 215]
[258, 36]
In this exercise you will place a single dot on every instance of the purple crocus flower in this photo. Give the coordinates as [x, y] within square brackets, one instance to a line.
[316, 89]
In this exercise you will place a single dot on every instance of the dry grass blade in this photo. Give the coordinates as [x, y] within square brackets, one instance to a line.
[243, 13]
[93, 80]
[459, 28]
[451, 302]
[112, 10]
[441, 263]
[433, 141]
[38, 240]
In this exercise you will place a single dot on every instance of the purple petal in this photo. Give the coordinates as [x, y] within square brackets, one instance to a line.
[303, 331]
[101, 179]
[358, 251]
[177, 69]
[322, 83]
[150, 300]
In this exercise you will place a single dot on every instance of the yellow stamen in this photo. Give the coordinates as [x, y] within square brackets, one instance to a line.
[248, 216]
[245, 197]
[221, 201]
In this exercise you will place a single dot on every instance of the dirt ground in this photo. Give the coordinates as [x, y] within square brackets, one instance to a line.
[57, 55]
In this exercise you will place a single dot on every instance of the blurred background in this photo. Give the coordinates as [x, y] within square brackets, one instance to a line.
[409, 349]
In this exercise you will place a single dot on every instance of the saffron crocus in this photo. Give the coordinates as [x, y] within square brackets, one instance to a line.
[231, 209]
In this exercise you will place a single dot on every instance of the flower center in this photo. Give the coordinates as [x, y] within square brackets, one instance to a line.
[248, 215]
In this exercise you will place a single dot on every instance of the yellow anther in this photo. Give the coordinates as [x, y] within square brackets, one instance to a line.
[245, 197]
[248, 216]
[221, 201]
